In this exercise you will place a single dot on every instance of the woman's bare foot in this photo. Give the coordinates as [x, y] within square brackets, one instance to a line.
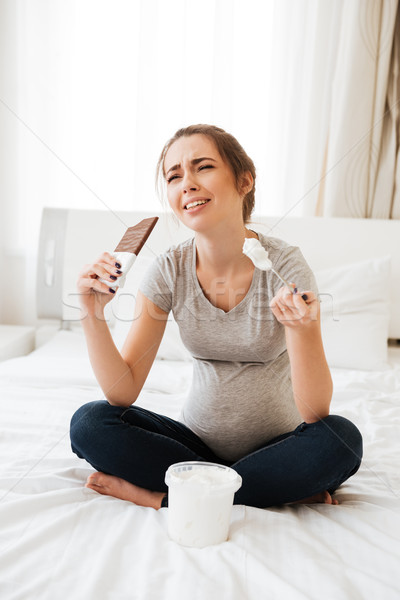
[110, 485]
[321, 498]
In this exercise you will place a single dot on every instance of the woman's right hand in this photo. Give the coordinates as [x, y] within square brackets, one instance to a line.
[94, 294]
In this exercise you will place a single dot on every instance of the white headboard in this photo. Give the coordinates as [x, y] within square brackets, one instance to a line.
[70, 238]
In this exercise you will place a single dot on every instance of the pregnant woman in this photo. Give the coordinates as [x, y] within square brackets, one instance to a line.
[261, 388]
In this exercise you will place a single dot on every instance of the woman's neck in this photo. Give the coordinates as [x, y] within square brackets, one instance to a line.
[222, 254]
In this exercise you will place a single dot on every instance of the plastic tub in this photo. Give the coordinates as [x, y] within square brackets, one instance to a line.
[200, 500]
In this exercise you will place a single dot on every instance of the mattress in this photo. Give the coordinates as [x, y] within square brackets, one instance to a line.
[61, 540]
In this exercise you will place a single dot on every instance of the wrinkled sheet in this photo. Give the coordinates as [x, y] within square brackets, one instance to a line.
[60, 540]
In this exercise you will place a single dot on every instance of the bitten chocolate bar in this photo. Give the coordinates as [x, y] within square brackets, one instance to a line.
[135, 237]
[129, 247]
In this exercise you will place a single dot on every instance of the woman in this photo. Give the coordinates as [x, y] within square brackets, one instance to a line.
[261, 390]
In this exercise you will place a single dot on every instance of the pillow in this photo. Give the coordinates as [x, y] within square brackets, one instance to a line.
[355, 313]
[171, 347]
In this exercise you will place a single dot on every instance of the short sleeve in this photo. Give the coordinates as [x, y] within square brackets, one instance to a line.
[294, 268]
[157, 283]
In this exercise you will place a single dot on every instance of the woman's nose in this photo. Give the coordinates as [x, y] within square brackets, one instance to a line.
[189, 182]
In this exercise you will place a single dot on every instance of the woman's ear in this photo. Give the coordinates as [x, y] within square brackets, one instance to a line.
[246, 183]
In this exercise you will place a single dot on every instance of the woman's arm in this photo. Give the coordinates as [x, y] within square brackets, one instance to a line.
[311, 378]
[120, 375]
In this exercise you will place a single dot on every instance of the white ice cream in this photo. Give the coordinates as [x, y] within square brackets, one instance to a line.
[257, 254]
[200, 499]
[202, 476]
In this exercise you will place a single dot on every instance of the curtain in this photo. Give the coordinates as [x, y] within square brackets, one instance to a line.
[361, 170]
[90, 90]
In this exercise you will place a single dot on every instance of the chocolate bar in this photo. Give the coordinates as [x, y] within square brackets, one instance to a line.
[135, 237]
[129, 247]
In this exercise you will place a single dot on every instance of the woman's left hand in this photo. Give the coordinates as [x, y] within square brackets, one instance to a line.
[292, 311]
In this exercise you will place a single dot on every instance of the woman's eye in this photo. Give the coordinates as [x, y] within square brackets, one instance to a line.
[172, 178]
[206, 167]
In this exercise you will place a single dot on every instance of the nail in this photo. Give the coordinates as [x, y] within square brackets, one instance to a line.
[305, 297]
[118, 265]
[118, 271]
[295, 291]
[111, 290]
[113, 277]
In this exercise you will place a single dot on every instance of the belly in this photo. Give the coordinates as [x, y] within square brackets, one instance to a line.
[236, 407]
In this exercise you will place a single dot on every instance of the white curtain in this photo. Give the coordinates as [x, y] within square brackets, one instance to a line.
[361, 172]
[91, 89]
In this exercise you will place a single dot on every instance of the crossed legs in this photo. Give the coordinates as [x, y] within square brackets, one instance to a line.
[131, 448]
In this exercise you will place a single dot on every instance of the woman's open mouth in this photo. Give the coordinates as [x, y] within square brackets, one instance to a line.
[193, 203]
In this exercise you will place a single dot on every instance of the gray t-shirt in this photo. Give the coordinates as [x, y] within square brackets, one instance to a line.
[241, 394]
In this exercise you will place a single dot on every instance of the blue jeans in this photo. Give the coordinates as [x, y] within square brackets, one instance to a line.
[139, 446]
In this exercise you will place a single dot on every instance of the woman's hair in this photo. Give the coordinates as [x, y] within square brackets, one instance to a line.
[230, 151]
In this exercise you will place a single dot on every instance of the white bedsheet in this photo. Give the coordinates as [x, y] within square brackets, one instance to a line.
[60, 540]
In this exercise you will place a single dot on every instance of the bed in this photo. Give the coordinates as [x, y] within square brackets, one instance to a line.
[61, 540]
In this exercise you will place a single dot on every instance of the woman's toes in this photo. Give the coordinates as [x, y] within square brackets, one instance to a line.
[328, 499]
[97, 480]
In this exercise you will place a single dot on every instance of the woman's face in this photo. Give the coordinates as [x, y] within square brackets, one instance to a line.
[201, 186]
